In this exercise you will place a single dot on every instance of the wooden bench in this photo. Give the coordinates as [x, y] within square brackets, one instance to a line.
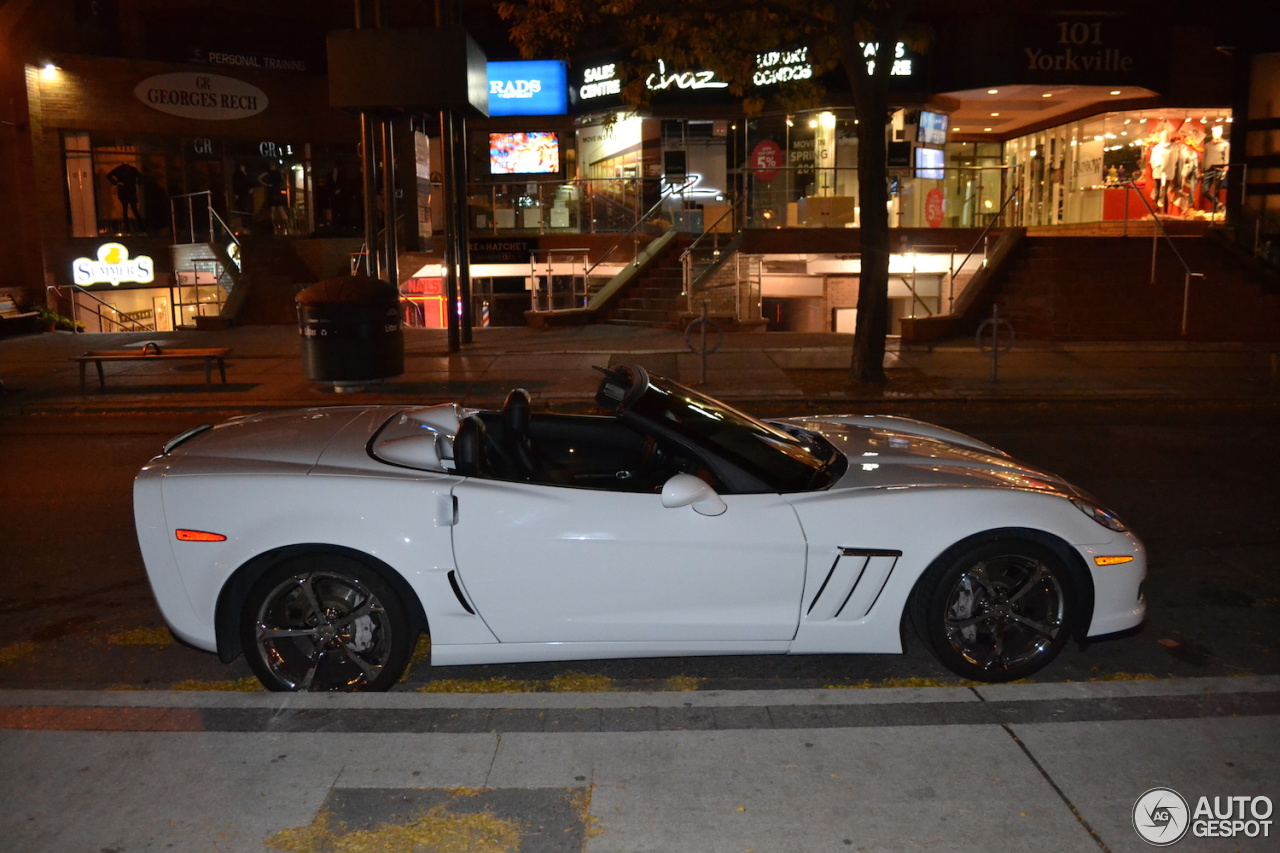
[153, 351]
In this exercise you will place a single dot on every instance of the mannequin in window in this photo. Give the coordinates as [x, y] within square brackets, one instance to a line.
[1160, 158]
[126, 179]
[277, 197]
[1217, 154]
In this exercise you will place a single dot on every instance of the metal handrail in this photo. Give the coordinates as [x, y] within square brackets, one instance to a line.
[1155, 244]
[633, 231]
[212, 215]
[577, 299]
[75, 304]
[982, 238]
[686, 257]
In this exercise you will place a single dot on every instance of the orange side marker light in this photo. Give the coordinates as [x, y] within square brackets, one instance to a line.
[198, 536]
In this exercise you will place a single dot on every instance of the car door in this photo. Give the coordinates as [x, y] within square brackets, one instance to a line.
[557, 564]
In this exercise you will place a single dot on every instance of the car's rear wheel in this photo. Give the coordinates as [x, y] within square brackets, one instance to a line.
[997, 611]
[325, 622]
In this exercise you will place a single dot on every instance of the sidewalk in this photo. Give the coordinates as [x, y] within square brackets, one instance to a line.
[1025, 767]
[264, 370]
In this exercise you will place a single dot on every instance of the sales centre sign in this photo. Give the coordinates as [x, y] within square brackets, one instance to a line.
[211, 97]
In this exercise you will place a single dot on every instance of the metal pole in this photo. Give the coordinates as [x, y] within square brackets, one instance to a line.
[703, 344]
[1186, 300]
[1155, 244]
[995, 341]
[390, 249]
[459, 145]
[450, 232]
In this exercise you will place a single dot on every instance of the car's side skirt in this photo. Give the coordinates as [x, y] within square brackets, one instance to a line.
[482, 653]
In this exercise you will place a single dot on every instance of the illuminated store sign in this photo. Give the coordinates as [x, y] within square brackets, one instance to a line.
[782, 66]
[661, 80]
[112, 267]
[790, 66]
[902, 66]
[600, 81]
[211, 97]
[533, 88]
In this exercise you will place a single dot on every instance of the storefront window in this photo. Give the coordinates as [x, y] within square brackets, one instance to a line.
[1124, 166]
[165, 187]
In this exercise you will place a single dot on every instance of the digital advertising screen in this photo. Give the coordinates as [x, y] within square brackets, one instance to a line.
[524, 153]
[929, 163]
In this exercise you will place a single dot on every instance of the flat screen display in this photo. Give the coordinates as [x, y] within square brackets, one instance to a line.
[932, 129]
[929, 163]
[524, 153]
[529, 88]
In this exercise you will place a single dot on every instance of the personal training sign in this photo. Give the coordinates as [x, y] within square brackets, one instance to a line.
[211, 97]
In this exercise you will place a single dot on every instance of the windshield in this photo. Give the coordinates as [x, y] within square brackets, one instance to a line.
[783, 461]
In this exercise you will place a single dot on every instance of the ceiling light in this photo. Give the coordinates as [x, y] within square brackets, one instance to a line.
[995, 115]
[1047, 95]
[1115, 91]
[993, 91]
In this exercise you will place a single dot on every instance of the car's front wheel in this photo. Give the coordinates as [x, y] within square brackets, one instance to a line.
[325, 622]
[997, 611]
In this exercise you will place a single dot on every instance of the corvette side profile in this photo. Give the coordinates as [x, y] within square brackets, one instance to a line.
[320, 543]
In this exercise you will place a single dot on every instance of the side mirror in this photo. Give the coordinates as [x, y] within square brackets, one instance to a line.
[688, 490]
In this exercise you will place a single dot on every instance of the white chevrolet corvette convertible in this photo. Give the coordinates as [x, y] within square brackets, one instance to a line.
[321, 543]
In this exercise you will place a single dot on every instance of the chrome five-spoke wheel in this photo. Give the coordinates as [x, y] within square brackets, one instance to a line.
[325, 623]
[996, 612]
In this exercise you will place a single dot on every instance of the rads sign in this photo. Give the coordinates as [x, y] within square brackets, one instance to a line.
[113, 266]
[533, 88]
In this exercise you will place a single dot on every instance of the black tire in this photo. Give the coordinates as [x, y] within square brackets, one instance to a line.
[325, 622]
[997, 611]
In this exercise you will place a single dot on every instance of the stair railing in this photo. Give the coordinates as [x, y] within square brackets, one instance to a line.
[705, 253]
[633, 233]
[1161, 231]
[114, 318]
[982, 238]
[201, 204]
[559, 264]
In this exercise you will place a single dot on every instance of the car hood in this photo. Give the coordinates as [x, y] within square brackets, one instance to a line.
[295, 438]
[885, 452]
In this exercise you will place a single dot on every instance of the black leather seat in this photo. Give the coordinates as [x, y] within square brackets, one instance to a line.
[471, 448]
[517, 442]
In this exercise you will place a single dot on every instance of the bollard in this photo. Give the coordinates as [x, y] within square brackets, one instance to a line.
[993, 327]
[703, 323]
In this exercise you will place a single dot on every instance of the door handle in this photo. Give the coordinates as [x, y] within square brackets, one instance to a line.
[447, 514]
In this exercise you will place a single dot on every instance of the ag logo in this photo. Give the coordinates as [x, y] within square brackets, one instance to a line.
[1161, 817]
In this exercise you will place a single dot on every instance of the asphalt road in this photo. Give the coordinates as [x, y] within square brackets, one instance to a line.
[1197, 482]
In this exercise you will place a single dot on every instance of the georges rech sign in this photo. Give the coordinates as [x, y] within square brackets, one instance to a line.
[211, 97]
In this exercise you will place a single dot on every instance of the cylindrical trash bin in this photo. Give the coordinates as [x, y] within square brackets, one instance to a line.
[351, 333]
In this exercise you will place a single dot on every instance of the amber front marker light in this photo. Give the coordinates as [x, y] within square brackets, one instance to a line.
[1112, 561]
[198, 536]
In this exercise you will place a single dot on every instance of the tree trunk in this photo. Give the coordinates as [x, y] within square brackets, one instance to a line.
[871, 100]
[872, 326]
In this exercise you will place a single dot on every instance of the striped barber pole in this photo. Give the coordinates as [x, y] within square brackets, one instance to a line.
[484, 315]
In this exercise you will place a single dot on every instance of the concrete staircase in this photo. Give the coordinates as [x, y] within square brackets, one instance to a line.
[655, 299]
[1100, 289]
